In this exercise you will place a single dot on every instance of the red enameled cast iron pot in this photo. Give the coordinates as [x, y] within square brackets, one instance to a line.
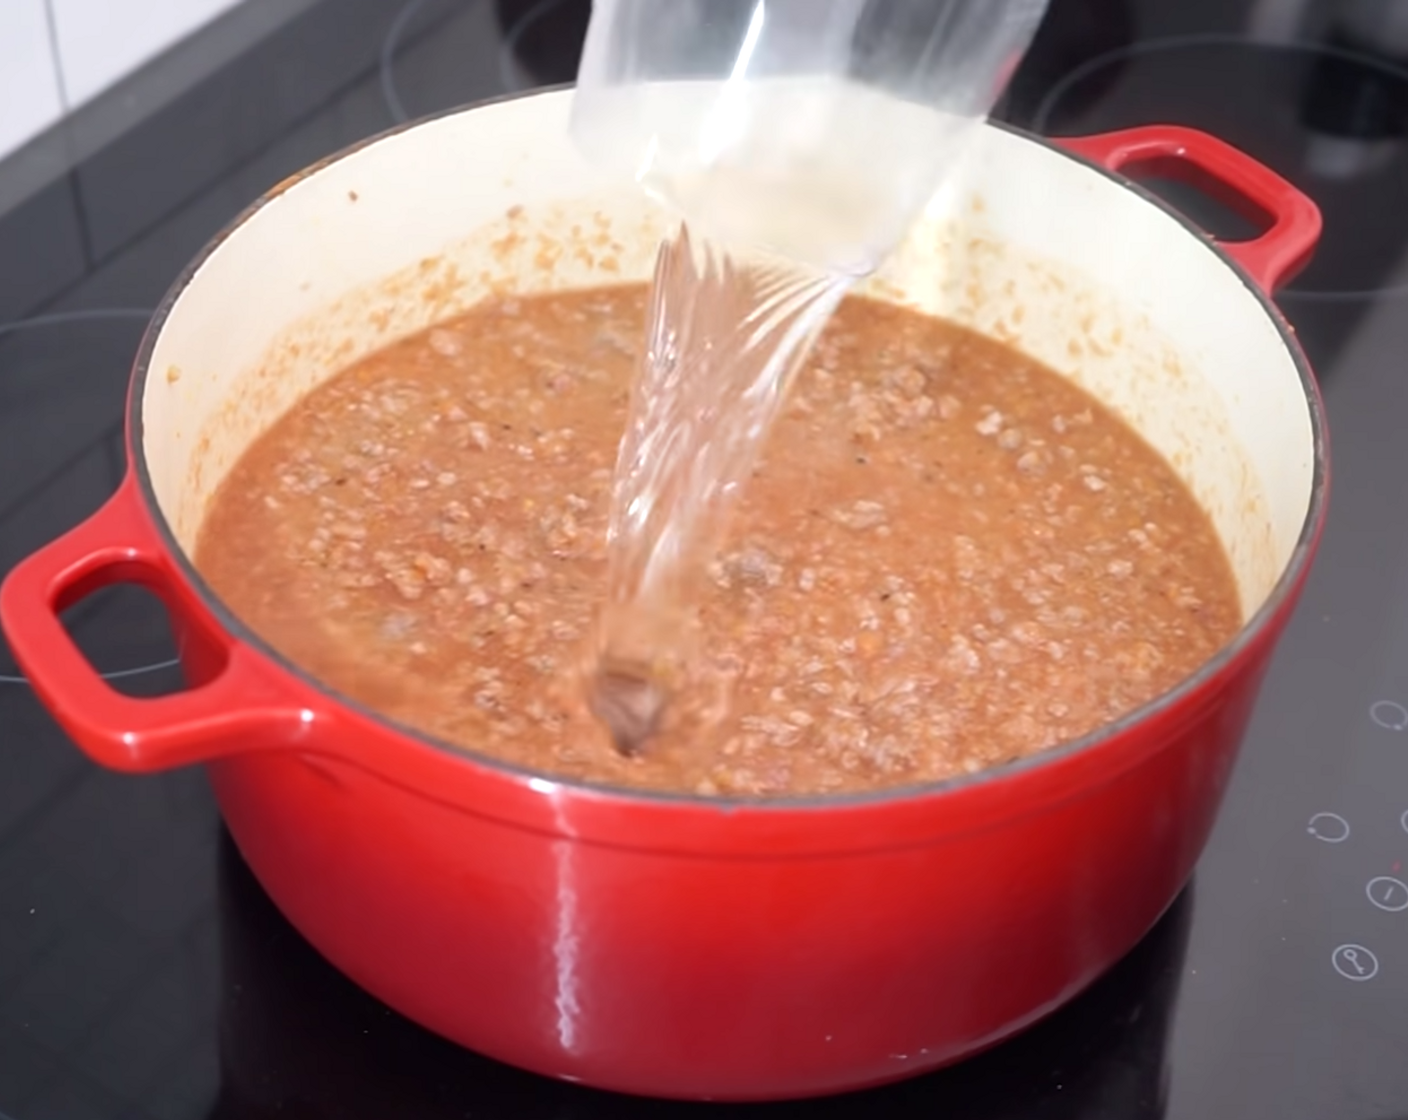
[678, 946]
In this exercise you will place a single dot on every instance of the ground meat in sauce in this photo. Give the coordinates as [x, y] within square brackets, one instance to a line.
[950, 557]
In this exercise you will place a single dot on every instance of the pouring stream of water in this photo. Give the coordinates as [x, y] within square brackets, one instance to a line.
[726, 335]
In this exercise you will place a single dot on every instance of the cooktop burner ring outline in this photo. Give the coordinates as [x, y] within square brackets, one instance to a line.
[510, 42]
[1041, 118]
[113, 675]
[60, 319]
[63, 318]
[387, 62]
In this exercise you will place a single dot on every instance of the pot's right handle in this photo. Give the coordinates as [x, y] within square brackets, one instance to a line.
[236, 703]
[1272, 259]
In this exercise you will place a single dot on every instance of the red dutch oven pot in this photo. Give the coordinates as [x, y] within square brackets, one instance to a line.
[679, 946]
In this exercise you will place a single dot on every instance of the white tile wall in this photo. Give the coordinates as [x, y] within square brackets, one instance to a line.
[29, 86]
[100, 41]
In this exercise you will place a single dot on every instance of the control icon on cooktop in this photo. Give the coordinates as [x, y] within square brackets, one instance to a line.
[1354, 962]
[1333, 828]
[1389, 715]
[1388, 893]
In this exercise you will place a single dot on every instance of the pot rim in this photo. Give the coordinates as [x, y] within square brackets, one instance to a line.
[1197, 682]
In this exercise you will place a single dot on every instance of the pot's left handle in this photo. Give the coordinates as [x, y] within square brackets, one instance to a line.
[1273, 258]
[236, 706]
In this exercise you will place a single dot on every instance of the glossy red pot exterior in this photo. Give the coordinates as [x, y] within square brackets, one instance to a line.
[679, 946]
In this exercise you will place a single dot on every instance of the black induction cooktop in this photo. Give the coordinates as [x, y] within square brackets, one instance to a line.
[143, 973]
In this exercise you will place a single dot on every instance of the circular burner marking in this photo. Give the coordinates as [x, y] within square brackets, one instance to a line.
[60, 319]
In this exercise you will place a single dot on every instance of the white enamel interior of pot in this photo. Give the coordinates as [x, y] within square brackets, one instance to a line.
[1027, 246]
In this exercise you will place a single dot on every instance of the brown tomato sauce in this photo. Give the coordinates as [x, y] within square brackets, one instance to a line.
[949, 558]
